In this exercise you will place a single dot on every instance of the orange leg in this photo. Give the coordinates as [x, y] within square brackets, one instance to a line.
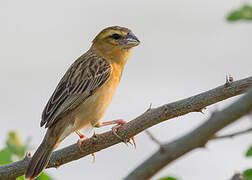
[119, 123]
[82, 138]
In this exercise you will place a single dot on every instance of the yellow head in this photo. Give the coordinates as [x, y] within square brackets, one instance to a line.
[115, 43]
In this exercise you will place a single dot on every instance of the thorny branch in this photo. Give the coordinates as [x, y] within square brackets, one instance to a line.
[148, 119]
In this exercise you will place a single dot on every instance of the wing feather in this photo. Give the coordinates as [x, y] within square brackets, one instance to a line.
[83, 78]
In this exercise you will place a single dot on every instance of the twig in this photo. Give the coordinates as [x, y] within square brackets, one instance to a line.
[154, 139]
[139, 124]
[233, 134]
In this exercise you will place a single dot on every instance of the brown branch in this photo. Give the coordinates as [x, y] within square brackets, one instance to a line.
[194, 139]
[149, 118]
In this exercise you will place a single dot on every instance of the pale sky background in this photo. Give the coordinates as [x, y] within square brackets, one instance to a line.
[187, 48]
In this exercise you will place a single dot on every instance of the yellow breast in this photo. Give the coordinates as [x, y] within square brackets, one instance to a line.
[92, 109]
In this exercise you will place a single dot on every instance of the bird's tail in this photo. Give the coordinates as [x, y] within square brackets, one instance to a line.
[40, 159]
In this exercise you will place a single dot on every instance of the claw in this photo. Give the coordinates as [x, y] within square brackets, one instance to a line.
[79, 143]
[134, 141]
[119, 122]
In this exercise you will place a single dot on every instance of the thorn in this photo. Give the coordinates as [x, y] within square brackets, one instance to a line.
[95, 135]
[201, 110]
[57, 165]
[229, 80]
[213, 137]
[163, 149]
[149, 107]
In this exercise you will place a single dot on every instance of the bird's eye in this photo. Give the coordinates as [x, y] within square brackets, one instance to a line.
[116, 36]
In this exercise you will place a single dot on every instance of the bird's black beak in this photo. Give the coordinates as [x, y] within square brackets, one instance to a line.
[131, 41]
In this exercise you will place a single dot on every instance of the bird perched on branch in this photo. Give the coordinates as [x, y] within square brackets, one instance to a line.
[84, 93]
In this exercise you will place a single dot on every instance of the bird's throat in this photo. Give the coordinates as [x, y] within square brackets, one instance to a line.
[113, 54]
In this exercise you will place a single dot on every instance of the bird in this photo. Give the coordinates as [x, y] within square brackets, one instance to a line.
[84, 93]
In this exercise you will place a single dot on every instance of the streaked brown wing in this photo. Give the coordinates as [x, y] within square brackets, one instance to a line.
[82, 79]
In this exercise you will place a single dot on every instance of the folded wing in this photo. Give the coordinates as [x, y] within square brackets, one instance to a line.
[82, 79]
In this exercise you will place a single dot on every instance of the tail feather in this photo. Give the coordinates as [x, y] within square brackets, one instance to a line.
[39, 160]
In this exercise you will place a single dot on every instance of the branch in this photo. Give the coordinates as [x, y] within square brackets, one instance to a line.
[150, 118]
[194, 139]
[231, 135]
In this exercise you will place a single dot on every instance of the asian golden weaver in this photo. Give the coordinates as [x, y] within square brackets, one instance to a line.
[84, 93]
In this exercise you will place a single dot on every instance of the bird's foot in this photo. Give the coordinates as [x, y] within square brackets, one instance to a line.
[119, 123]
[79, 143]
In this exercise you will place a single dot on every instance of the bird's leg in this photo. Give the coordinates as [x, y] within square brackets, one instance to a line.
[79, 142]
[119, 123]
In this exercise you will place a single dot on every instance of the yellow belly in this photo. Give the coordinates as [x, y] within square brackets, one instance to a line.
[93, 108]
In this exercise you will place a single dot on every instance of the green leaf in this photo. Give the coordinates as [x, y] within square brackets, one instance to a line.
[5, 156]
[234, 16]
[243, 13]
[43, 176]
[14, 144]
[168, 178]
[21, 178]
[247, 174]
[249, 152]
[15, 148]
